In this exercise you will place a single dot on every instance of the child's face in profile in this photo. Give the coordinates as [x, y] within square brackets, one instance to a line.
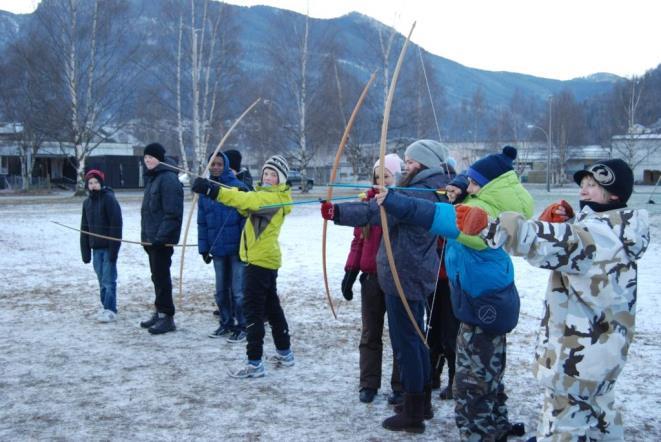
[411, 165]
[93, 184]
[473, 187]
[592, 191]
[389, 178]
[269, 177]
[452, 192]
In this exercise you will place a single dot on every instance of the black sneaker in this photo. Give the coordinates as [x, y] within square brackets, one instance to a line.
[366, 395]
[237, 337]
[219, 332]
[164, 324]
[150, 322]
[396, 397]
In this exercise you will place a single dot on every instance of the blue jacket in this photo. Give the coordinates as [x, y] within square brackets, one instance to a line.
[414, 247]
[101, 215]
[162, 205]
[482, 279]
[219, 226]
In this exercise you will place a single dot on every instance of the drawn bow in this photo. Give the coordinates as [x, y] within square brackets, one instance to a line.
[384, 217]
[333, 175]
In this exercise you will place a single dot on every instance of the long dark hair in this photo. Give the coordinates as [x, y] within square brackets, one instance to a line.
[406, 181]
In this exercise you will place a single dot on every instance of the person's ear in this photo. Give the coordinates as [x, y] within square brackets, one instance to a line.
[614, 198]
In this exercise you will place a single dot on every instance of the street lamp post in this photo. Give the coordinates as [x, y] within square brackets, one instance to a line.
[547, 134]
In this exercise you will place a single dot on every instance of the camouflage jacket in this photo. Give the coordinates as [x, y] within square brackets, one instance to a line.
[590, 303]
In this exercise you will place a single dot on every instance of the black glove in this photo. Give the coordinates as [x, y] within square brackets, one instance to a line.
[205, 187]
[206, 257]
[347, 284]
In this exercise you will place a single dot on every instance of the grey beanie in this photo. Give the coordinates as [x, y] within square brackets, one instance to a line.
[429, 153]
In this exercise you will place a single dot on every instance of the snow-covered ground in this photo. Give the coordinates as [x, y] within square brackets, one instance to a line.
[65, 376]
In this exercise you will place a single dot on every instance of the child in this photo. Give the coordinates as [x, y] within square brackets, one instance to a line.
[362, 257]
[102, 215]
[590, 305]
[488, 307]
[443, 325]
[218, 235]
[260, 250]
[161, 216]
[417, 260]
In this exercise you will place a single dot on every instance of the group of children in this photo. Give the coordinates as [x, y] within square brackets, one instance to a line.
[451, 235]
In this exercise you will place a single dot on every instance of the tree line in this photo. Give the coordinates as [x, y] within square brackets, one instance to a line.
[77, 73]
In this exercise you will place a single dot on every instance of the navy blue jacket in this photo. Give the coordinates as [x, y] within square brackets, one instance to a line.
[414, 247]
[162, 205]
[219, 226]
[103, 216]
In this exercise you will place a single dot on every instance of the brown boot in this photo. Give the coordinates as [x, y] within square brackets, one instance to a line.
[411, 419]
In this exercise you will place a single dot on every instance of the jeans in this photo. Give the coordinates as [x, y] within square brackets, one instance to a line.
[230, 271]
[106, 272]
[410, 351]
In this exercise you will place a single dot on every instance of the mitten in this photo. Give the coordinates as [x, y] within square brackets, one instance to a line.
[347, 283]
[206, 257]
[471, 220]
[327, 210]
[557, 212]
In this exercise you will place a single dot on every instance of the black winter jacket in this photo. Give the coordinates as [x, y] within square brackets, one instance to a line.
[162, 206]
[103, 216]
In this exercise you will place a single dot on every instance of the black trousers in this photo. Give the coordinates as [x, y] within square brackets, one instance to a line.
[160, 260]
[261, 303]
[443, 330]
[373, 311]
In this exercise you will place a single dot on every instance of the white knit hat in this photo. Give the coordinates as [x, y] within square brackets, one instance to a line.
[279, 164]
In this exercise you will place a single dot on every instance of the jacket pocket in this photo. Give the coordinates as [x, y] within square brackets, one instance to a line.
[495, 312]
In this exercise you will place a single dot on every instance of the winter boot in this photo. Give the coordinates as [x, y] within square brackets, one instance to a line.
[429, 411]
[446, 393]
[150, 322]
[396, 397]
[517, 429]
[411, 419]
[164, 324]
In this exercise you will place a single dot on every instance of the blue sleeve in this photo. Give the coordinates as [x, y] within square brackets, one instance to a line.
[411, 210]
[202, 234]
[357, 214]
[445, 221]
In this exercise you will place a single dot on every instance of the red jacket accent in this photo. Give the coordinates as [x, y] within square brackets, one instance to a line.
[362, 255]
[442, 274]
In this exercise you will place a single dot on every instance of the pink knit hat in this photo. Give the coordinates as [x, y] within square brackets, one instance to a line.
[393, 163]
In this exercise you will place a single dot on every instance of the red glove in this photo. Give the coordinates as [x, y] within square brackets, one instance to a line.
[327, 210]
[557, 212]
[471, 220]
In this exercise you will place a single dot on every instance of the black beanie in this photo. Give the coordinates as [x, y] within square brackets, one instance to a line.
[613, 175]
[234, 158]
[155, 150]
[492, 166]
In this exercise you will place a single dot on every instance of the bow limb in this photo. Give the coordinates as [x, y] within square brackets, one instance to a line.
[384, 217]
[333, 175]
[196, 196]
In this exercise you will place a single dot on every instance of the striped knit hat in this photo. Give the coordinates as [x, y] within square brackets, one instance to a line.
[279, 164]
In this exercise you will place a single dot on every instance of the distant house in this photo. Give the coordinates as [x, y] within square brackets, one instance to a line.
[120, 158]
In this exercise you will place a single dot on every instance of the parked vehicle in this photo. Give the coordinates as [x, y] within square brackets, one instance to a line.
[296, 179]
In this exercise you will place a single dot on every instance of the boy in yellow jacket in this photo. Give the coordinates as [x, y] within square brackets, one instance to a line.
[260, 250]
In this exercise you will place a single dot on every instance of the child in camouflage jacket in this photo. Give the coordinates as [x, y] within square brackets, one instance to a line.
[590, 304]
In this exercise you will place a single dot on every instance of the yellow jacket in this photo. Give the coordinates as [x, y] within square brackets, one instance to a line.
[259, 239]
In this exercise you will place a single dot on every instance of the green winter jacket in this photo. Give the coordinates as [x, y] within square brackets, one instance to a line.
[503, 194]
[259, 239]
